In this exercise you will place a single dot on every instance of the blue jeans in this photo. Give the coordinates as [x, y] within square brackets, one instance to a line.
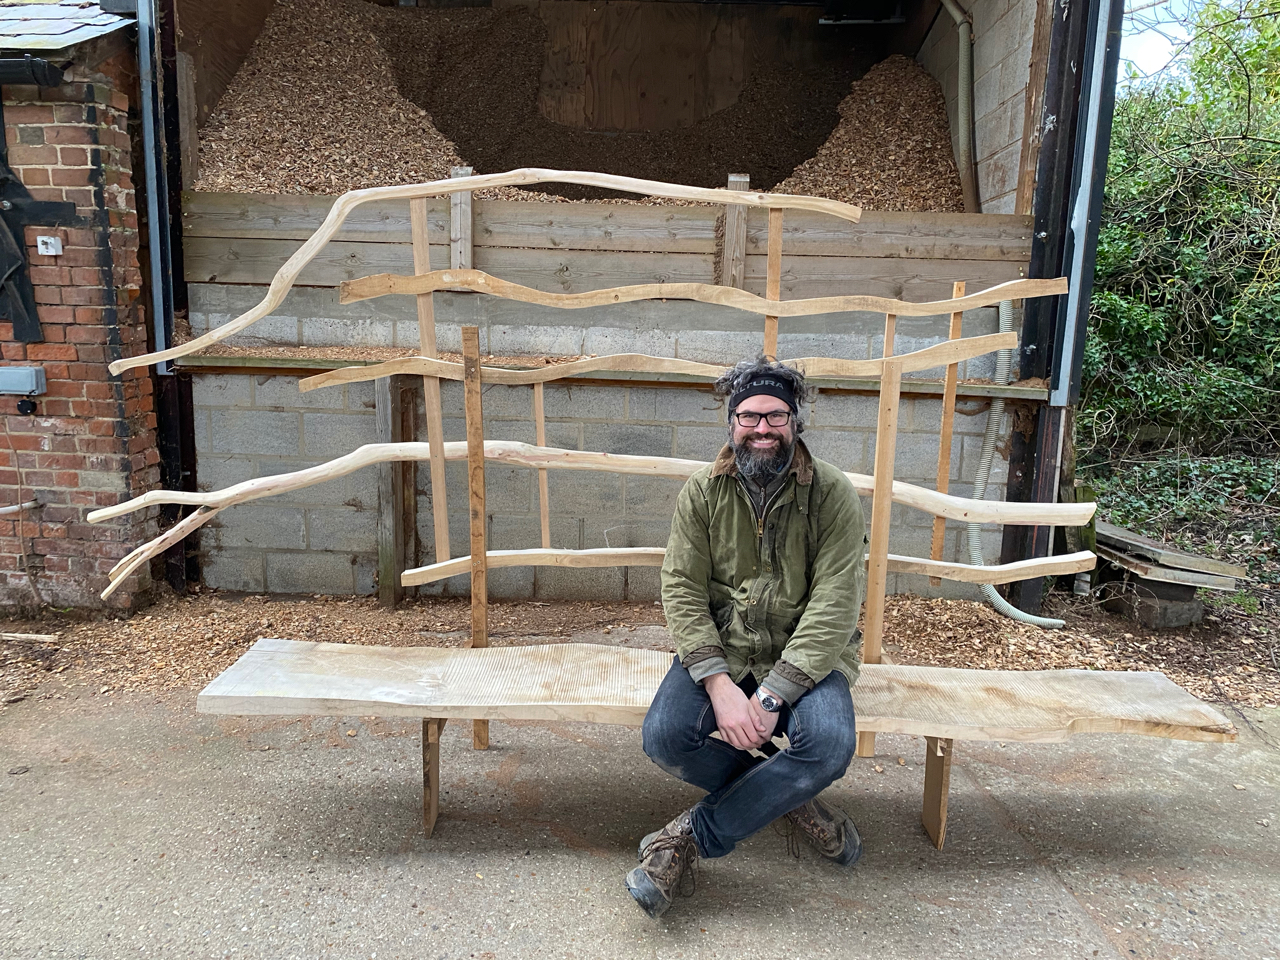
[746, 793]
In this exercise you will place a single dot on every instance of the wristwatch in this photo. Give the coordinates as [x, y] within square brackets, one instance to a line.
[768, 702]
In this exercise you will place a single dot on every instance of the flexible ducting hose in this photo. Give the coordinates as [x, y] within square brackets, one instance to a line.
[964, 106]
[1004, 363]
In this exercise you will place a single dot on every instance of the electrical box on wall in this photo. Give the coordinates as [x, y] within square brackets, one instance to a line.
[49, 246]
[28, 381]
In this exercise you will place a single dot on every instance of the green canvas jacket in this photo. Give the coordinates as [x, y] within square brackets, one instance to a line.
[778, 596]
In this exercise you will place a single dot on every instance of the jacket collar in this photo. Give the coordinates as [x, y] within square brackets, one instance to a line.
[801, 464]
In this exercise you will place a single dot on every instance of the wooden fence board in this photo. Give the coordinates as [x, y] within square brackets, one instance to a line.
[965, 236]
[288, 217]
[902, 279]
[250, 260]
[619, 227]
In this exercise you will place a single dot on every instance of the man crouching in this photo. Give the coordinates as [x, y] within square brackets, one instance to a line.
[762, 583]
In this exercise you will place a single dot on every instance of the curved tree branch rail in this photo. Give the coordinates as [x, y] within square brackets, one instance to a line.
[653, 557]
[938, 355]
[523, 454]
[384, 284]
[342, 207]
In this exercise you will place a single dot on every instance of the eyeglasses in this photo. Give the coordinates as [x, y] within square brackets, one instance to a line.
[777, 418]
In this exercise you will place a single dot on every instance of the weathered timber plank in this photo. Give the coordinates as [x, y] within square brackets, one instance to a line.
[575, 271]
[255, 261]
[288, 217]
[962, 236]
[603, 684]
[900, 279]
[582, 226]
[251, 260]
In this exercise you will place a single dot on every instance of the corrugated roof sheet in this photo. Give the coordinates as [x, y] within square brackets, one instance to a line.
[54, 24]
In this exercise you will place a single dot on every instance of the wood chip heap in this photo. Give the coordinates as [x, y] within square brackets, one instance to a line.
[316, 109]
[892, 148]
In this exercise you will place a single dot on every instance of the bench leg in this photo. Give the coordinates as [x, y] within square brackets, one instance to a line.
[866, 744]
[479, 734]
[431, 772]
[937, 783]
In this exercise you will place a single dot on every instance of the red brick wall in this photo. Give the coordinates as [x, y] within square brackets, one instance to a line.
[91, 442]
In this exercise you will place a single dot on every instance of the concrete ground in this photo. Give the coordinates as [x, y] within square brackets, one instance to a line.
[139, 828]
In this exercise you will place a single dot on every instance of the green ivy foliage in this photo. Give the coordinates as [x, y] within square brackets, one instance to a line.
[1184, 336]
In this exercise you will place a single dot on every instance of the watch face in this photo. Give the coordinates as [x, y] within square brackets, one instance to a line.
[770, 703]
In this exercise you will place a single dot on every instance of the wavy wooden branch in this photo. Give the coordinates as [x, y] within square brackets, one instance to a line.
[818, 368]
[342, 207]
[140, 555]
[381, 284]
[653, 556]
[527, 455]
[620, 557]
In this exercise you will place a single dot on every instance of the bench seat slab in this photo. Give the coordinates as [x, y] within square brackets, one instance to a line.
[604, 684]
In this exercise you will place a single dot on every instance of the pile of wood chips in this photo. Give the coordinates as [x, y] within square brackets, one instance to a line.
[891, 149]
[180, 644]
[315, 109]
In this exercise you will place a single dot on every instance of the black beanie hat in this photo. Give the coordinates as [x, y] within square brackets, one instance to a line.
[765, 384]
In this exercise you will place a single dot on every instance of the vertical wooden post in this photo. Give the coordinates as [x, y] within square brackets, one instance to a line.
[388, 413]
[948, 424]
[460, 223]
[890, 332]
[430, 385]
[881, 511]
[773, 279]
[475, 490]
[937, 784]
[540, 434]
[431, 729]
[733, 266]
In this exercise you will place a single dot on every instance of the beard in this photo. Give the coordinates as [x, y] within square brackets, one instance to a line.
[762, 466]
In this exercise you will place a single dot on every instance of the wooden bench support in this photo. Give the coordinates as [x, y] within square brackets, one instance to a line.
[937, 784]
[431, 729]
[594, 683]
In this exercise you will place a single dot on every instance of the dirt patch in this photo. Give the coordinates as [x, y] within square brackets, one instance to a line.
[182, 643]
[1230, 660]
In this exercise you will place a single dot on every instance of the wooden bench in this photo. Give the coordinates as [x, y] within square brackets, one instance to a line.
[594, 683]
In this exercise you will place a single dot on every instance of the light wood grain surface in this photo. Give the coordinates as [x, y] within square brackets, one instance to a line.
[605, 684]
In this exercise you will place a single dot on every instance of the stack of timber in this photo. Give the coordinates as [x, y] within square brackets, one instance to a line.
[1153, 583]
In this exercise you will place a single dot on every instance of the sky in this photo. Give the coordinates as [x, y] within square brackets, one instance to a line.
[1152, 36]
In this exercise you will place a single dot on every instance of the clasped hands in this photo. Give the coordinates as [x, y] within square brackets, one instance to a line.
[741, 720]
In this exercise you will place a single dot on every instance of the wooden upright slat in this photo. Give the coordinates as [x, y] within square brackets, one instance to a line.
[881, 511]
[418, 213]
[460, 224]
[948, 424]
[773, 280]
[475, 489]
[392, 494]
[540, 434]
[733, 266]
[890, 332]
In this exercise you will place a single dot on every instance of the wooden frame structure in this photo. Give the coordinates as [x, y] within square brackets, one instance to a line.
[881, 485]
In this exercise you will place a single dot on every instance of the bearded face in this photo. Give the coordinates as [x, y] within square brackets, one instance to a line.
[762, 451]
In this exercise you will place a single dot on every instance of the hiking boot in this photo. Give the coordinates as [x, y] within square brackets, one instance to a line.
[668, 866]
[829, 830]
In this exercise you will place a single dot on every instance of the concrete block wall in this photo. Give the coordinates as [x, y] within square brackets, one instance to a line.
[1002, 35]
[324, 539]
[91, 442]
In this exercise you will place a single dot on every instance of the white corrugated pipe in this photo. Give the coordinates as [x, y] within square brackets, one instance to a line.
[1004, 363]
[964, 106]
